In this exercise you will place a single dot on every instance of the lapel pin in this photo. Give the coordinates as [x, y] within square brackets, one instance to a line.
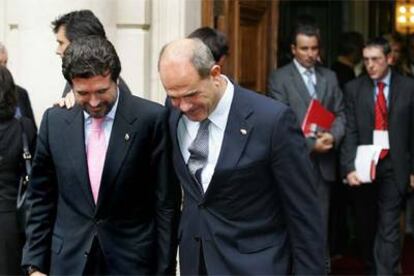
[243, 131]
[126, 137]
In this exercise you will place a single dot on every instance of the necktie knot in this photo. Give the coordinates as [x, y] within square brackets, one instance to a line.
[97, 123]
[380, 86]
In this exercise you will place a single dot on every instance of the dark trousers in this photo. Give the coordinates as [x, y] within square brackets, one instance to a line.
[377, 214]
[95, 265]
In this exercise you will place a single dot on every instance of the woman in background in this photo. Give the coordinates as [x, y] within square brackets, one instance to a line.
[11, 168]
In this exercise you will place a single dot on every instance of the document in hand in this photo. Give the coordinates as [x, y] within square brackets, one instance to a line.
[366, 160]
[317, 118]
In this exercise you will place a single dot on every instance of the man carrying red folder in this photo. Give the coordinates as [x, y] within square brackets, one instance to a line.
[300, 83]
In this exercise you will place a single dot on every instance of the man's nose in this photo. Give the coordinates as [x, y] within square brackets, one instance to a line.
[94, 101]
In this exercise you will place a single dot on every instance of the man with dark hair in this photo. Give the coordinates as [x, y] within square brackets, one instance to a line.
[215, 40]
[24, 107]
[71, 26]
[249, 191]
[102, 199]
[380, 110]
[297, 84]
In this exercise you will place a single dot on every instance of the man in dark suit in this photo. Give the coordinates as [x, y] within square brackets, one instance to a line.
[24, 107]
[380, 110]
[301, 81]
[249, 190]
[102, 198]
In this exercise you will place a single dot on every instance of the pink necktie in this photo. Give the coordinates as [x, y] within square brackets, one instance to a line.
[96, 152]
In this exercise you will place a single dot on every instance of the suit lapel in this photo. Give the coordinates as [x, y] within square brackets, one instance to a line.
[321, 85]
[368, 98]
[122, 136]
[299, 85]
[179, 162]
[236, 135]
[74, 136]
[393, 94]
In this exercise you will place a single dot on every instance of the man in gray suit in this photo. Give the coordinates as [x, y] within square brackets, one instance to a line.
[296, 84]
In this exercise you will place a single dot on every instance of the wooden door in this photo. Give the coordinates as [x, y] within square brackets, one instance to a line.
[251, 27]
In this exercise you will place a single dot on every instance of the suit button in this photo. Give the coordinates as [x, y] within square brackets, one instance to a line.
[86, 254]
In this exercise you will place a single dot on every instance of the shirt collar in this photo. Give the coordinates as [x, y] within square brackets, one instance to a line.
[220, 114]
[302, 69]
[386, 80]
[111, 113]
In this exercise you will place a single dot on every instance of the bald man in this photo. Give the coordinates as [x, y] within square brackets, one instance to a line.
[249, 188]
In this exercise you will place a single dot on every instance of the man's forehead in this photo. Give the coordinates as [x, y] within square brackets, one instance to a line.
[373, 51]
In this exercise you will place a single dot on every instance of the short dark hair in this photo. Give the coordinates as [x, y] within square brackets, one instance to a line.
[379, 42]
[79, 24]
[90, 56]
[307, 30]
[8, 97]
[214, 39]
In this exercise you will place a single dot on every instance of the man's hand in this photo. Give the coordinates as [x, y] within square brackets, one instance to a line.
[353, 179]
[68, 101]
[412, 181]
[324, 142]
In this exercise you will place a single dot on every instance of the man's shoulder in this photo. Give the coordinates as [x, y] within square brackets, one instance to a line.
[284, 70]
[141, 107]
[258, 102]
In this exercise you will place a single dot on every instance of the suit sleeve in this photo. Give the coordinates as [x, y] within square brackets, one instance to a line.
[350, 143]
[338, 126]
[296, 180]
[167, 197]
[41, 202]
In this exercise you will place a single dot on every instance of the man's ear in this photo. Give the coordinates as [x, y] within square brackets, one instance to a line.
[215, 71]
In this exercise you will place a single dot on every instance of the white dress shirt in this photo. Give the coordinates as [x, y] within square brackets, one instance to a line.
[187, 132]
[302, 70]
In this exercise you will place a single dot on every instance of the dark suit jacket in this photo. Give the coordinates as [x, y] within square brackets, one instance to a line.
[287, 86]
[23, 102]
[261, 200]
[360, 103]
[135, 216]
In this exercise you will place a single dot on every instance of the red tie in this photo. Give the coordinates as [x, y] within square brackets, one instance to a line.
[381, 115]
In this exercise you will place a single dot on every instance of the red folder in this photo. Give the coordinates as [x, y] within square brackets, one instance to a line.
[317, 118]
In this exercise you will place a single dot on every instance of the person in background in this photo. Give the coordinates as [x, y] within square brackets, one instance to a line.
[24, 107]
[71, 26]
[379, 110]
[296, 85]
[340, 216]
[103, 196]
[349, 55]
[398, 58]
[215, 40]
[11, 168]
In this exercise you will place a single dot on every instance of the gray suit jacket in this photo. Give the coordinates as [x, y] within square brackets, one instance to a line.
[287, 86]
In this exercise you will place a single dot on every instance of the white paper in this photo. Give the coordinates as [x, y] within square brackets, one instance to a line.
[367, 155]
[381, 139]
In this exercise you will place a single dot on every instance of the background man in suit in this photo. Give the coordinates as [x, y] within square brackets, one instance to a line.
[296, 84]
[69, 27]
[102, 197]
[24, 107]
[249, 190]
[215, 40]
[380, 103]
